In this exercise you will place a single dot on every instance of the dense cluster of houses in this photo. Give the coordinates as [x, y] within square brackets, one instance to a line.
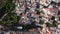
[27, 10]
[39, 12]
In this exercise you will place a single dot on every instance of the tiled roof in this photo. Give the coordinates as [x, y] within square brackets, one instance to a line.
[52, 10]
[45, 2]
[36, 15]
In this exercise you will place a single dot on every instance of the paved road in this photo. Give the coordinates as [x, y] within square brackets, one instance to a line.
[28, 33]
[23, 32]
[31, 33]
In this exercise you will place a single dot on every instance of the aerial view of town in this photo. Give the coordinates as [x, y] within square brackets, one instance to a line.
[29, 16]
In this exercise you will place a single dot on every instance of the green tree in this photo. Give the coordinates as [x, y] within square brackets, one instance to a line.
[48, 24]
[10, 6]
[2, 3]
[10, 17]
[51, 25]
[53, 17]
[37, 11]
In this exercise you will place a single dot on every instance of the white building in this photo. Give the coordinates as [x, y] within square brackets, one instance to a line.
[45, 2]
[56, 1]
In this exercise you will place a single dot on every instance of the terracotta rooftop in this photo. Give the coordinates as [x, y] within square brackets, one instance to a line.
[52, 10]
